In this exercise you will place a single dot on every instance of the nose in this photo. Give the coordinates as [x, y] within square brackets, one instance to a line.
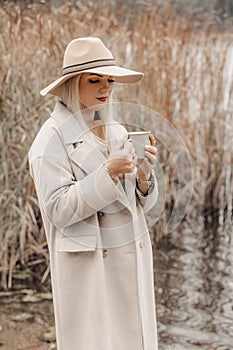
[105, 86]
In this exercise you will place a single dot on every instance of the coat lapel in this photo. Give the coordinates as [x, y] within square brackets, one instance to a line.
[76, 138]
[87, 156]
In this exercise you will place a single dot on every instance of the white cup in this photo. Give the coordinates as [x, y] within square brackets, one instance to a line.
[140, 139]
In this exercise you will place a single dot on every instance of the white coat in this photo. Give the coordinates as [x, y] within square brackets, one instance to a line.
[99, 245]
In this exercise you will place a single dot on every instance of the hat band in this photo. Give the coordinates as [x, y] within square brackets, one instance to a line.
[88, 65]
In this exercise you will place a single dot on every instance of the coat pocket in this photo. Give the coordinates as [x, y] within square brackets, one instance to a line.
[77, 244]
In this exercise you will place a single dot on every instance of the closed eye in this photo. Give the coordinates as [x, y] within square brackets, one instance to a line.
[94, 81]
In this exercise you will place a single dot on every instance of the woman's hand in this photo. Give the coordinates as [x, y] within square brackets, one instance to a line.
[122, 159]
[145, 166]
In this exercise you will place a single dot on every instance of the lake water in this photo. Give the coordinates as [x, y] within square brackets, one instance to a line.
[194, 289]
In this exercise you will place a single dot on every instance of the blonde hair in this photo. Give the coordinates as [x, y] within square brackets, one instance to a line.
[69, 94]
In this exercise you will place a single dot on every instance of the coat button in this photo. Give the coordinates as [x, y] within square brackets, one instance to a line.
[141, 244]
[105, 253]
[100, 214]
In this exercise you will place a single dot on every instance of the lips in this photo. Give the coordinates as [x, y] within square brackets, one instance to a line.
[102, 99]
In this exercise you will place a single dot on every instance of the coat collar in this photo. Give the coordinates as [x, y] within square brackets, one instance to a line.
[72, 128]
[76, 137]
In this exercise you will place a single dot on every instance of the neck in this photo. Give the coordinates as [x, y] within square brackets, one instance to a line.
[98, 128]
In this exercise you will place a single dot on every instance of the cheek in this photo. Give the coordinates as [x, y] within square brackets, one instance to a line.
[87, 95]
[84, 92]
[89, 90]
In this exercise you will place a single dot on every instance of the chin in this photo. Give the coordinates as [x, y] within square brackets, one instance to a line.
[99, 106]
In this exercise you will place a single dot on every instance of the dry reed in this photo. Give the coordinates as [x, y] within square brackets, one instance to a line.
[186, 80]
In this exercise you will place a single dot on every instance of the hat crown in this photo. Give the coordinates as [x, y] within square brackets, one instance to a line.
[83, 50]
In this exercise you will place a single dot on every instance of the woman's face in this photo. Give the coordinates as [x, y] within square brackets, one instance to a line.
[94, 89]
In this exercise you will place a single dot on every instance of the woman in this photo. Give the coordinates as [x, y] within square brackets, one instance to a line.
[92, 196]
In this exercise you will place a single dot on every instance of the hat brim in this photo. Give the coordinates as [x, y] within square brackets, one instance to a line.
[120, 74]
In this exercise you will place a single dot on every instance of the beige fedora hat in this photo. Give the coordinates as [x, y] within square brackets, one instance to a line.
[90, 55]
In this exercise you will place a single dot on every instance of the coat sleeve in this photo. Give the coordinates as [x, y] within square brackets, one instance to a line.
[65, 200]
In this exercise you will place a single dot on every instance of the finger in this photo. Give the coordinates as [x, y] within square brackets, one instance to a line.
[120, 176]
[152, 150]
[140, 162]
[146, 165]
[130, 168]
[150, 157]
[152, 139]
[144, 169]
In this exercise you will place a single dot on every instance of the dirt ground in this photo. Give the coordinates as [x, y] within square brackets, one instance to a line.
[26, 321]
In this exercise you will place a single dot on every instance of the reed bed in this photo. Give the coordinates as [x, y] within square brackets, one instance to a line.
[188, 80]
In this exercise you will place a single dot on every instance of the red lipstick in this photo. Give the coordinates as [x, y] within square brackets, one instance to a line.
[102, 99]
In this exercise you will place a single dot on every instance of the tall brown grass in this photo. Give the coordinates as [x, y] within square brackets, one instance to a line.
[184, 81]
